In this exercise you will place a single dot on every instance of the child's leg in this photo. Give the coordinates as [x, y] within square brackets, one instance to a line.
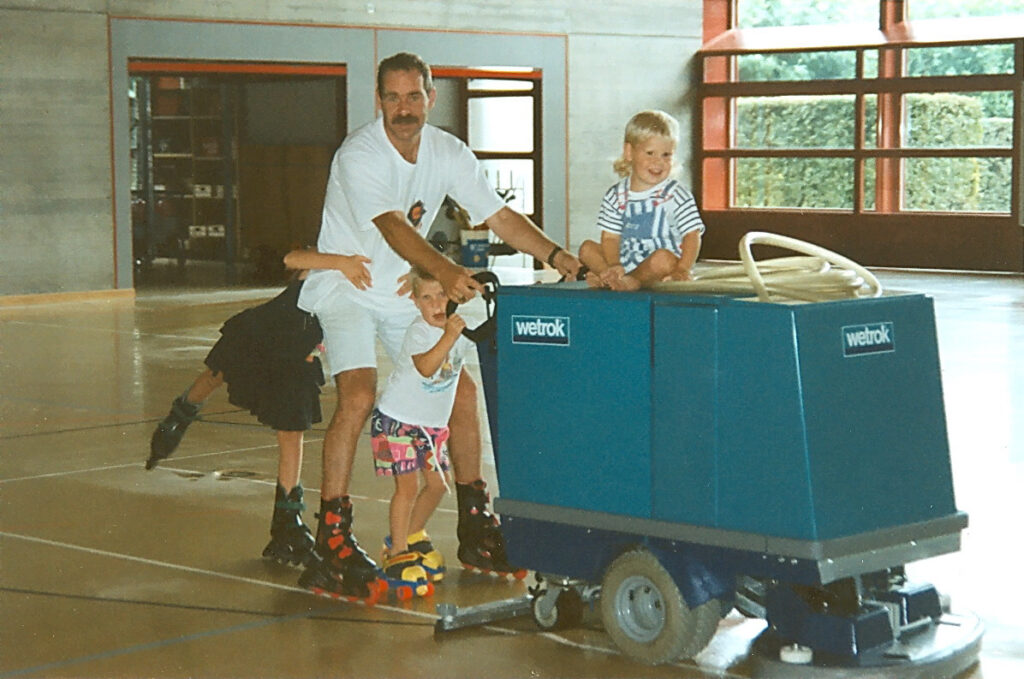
[403, 568]
[291, 541]
[207, 383]
[655, 268]
[427, 500]
[289, 460]
[184, 411]
[592, 257]
[401, 509]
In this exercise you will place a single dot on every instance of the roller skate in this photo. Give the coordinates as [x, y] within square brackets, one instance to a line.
[168, 433]
[340, 568]
[481, 544]
[405, 575]
[431, 559]
[291, 542]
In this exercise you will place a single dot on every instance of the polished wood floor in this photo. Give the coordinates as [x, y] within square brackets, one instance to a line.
[107, 570]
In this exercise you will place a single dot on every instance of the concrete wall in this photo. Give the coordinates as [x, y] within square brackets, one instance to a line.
[56, 228]
[64, 222]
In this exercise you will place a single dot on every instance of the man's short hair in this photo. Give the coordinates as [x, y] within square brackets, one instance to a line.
[404, 61]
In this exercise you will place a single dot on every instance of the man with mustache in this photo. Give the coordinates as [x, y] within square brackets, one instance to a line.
[387, 183]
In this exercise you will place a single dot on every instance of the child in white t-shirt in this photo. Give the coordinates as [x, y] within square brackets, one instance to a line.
[409, 432]
[650, 227]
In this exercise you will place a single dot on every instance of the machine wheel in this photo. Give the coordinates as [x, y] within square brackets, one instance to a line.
[645, 615]
[567, 611]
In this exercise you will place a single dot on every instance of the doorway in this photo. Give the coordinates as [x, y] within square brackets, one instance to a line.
[229, 161]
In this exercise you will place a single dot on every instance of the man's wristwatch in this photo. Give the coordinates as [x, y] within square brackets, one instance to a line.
[554, 253]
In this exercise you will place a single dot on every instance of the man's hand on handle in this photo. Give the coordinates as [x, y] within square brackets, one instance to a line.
[459, 284]
[565, 262]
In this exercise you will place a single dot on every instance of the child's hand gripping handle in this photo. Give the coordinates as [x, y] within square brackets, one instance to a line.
[485, 330]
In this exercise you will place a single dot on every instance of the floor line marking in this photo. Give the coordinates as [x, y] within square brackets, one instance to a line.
[192, 569]
[252, 581]
[140, 463]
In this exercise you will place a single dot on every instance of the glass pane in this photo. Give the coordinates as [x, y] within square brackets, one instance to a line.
[871, 63]
[871, 121]
[957, 184]
[499, 85]
[501, 124]
[513, 180]
[947, 9]
[795, 122]
[958, 120]
[960, 60]
[754, 13]
[794, 182]
[798, 66]
[870, 186]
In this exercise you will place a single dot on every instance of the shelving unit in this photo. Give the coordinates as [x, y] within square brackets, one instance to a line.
[184, 155]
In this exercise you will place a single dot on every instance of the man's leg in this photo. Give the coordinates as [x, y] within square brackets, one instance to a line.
[464, 442]
[356, 393]
[343, 567]
[481, 545]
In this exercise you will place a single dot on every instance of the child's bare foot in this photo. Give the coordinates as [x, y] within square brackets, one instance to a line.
[626, 283]
[594, 281]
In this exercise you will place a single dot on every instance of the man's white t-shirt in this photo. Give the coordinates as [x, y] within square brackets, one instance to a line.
[410, 397]
[369, 178]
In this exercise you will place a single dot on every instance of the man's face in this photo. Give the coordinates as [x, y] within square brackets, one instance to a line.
[405, 104]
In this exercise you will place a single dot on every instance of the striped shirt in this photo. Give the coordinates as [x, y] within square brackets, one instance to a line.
[650, 220]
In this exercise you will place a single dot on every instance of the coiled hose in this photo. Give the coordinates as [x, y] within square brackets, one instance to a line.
[820, 275]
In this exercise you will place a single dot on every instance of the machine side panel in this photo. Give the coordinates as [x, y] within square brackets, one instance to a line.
[574, 412]
[762, 467]
[684, 446]
[876, 427]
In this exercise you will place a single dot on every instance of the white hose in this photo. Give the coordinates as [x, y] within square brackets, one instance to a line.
[818, 276]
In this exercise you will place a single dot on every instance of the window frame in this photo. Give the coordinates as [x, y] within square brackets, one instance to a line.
[462, 76]
[719, 88]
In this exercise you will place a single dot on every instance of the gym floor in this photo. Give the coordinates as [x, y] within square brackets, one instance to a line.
[107, 570]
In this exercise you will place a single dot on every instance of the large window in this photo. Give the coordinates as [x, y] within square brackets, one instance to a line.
[497, 112]
[855, 108]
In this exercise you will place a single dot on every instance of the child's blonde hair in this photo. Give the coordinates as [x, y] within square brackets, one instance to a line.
[640, 128]
[417, 276]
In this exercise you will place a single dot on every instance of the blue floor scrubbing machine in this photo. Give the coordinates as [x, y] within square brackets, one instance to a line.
[769, 437]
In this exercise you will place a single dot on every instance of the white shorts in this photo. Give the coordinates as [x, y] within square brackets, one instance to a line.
[350, 331]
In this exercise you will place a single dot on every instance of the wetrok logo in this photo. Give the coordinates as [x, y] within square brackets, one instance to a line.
[870, 338]
[540, 330]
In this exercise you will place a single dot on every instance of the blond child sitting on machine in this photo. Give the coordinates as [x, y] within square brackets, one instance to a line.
[650, 227]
